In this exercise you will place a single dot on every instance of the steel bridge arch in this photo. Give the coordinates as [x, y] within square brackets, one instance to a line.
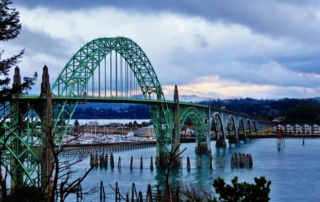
[197, 120]
[85, 61]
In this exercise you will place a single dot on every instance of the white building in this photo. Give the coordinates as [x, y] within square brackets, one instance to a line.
[316, 128]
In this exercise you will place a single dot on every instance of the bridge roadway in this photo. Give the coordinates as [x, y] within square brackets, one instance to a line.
[108, 99]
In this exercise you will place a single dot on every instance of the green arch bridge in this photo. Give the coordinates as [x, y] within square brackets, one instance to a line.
[103, 70]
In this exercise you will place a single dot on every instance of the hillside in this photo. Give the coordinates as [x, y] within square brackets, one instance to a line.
[295, 110]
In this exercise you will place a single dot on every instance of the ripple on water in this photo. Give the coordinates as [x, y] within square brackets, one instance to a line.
[294, 170]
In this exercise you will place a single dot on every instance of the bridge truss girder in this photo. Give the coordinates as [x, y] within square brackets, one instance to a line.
[20, 141]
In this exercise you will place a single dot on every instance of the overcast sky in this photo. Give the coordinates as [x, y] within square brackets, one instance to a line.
[266, 49]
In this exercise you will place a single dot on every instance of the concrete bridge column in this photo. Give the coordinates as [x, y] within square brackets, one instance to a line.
[16, 122]
[221, 141]
[176, 133]
[234, 138]
[209, 120]
[46, 136]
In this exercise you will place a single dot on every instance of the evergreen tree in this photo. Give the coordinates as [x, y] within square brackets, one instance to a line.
[10, 27]
[242, 191]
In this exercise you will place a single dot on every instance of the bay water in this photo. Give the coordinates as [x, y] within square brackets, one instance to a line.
[294, 169]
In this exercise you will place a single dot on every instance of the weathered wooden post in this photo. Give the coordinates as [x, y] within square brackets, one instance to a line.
[102, 191]
[106, 159]
[141, 163]
[119, 162]
[151, 163]
[111, 161]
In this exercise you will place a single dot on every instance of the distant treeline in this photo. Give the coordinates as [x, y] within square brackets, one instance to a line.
[294, 110]
[101, 112]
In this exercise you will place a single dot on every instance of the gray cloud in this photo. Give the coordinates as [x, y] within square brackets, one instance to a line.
[293, 19]
[285, 52]
[40, 43]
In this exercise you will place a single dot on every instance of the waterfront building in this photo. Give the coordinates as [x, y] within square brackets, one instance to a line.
[316, 128]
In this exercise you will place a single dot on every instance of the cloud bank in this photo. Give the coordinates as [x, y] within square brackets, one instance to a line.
[217, 49]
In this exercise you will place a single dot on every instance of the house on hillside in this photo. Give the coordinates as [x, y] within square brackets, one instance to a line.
[306, 129]
[288, 128]
[316, 128]
[298, 128]
[277, 127]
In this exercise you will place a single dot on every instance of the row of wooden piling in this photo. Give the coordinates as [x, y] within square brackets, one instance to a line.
[150, 195]
[103, 161]
[237, 161]
[241, 161]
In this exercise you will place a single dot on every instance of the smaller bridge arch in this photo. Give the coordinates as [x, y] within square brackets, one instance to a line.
[197, 118]
[231, 129]
[218, 128]
[241, 129]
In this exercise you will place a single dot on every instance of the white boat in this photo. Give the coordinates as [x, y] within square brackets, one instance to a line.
[86, 141]
[130, 134]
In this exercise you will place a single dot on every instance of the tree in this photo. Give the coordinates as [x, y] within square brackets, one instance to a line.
[242, 191]
[62, 184]
[9, 29]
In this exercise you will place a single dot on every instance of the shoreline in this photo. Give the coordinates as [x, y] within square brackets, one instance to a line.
[273, 135]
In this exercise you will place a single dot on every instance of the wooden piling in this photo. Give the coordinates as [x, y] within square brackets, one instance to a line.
[102, 191]
[149, 193]
[140, 197]
[151, 163]
[91, 159]
[111, 161]
[133, 192]
[210, 161]
[106, 159]
[188, 163]
[131, 161]
[117, 192]
[119, 162]
[141, 163]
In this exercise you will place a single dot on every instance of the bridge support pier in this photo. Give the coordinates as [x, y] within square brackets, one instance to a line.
[203, 149]
[221, 142]
[164, 159]
[233, 139]
[242, 137]
[16, 146]
[46, 135]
